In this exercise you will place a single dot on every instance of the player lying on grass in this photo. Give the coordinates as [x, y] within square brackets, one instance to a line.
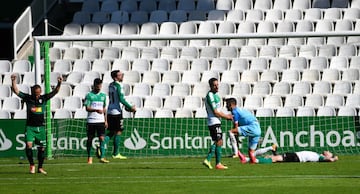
[305, 156]
[300, 156]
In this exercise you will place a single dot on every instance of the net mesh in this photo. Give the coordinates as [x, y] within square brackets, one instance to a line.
[180, 137]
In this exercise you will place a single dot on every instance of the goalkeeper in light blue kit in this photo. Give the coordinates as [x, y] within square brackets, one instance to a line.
[245, 124]
[114, 112]
[213, 104]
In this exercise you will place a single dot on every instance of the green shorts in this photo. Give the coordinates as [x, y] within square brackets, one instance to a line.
[36, 134]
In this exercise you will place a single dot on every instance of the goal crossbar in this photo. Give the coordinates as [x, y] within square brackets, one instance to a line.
[39, 39]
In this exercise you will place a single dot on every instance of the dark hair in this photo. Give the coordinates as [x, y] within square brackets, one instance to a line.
[333, 155]
[97, 81]
[230, 101]
[34, 87]
[114, 73]
[212, 80]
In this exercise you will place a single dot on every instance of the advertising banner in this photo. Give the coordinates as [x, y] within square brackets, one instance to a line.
[12, 138]
[155, 137]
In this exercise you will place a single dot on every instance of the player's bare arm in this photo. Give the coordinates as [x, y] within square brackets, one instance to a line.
[331, 159]
[223, 115]
[133, 108]
[57, 88]
[328, 156]
[336, 158]
[235, 128]
[105, 117]
[89, 109]
[14, 85]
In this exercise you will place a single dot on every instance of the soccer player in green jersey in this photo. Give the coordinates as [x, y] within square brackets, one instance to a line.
[213, 105]
[35, 122]
[114, 112]
[95, 103]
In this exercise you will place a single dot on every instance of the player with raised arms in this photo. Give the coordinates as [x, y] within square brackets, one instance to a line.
[35, 122]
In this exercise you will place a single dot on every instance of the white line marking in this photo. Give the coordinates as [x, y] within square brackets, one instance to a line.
[159, 179]
[85, 163]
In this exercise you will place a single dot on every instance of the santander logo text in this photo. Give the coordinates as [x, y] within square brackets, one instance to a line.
[5, 143]
[135, 141]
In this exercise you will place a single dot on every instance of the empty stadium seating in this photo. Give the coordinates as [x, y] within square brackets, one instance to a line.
[274, 76]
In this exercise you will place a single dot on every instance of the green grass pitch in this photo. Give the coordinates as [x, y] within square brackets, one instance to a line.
[179, 175]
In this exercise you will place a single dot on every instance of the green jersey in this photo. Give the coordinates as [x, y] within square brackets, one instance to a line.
[98, 102]
[212, 103]
[35, 108]
[116, 96]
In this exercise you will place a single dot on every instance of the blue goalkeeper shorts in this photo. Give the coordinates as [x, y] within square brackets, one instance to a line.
[253, 132]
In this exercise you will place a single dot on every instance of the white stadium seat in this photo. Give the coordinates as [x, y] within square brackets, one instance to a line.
[164, 113]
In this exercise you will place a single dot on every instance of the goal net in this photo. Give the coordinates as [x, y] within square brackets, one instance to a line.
[187, 137]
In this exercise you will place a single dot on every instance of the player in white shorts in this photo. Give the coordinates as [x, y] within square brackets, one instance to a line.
[305, 156]
[300, 156]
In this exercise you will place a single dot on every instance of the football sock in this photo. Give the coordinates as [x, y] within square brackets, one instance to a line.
[218, 154]
[88, 147]
[262, 151]
[106, 139]
[29, 155]
[252, 156]
[264, 160]
[237, 140]
[108, 136]
[234, 143]
[102, 149]
[41, 156]
[211, 152]
[116, 144]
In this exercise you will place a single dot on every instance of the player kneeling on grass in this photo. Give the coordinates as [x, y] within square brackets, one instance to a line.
[95, 103]
[245, 124]
[35, 123]
[115, 113]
